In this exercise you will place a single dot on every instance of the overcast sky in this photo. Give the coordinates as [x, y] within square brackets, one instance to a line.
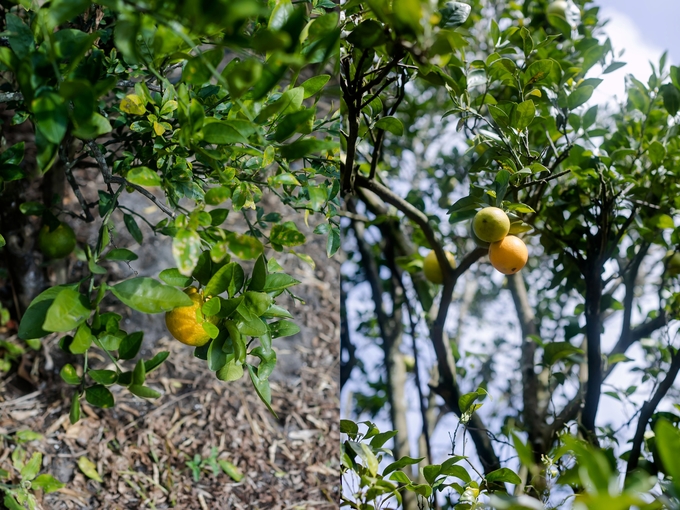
[644, 29]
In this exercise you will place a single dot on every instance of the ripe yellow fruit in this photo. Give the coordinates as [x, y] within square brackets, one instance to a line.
[431, 267]
[508, 255]
[491, 224]
[58, 243]
[185, 322]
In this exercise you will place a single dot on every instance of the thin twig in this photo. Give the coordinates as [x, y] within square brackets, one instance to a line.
[648, 410]
[68, 170]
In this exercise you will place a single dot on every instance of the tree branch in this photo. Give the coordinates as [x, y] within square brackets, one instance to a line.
[447, 387]
[527, 321]
[68, 170]
[648, 410]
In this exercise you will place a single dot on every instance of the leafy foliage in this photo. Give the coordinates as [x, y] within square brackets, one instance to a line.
[451, 107]
[215, 105]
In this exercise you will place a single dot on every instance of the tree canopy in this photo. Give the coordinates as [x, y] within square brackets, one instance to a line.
[561, 375]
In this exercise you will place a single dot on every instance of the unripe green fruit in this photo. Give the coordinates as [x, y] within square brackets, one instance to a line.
[58, 243]
[477, 240]
[491, 224]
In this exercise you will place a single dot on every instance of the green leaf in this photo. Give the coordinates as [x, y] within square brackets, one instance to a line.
[133, 228]
[296, 122]
[82, 340]
[257, 302]
[173, 277]
[408, 13]
[526, 456]
[538, 71]
[74, 413]
[230, 470]
[305, 147]
[657, 153]
[228, 278]
[51, 116]
[139, 373]
[186, 248]
[367, 34]
[143, 176]
[215, 196]
[333, 242]
[245, 247]
[217, 357]
[231, 371]
[26, 436]
[121, 254]
[47, 483]
[150, 296]
[349, 427]
[19, 35]
[96, 125]
[283, 328]
[261, 388]
[466, 401]
[143, 391]
[390, 124]
[34, 317]
[579, 96]
[556, 351]
[68, 310]
[278, 281]
[89, 469]
[671, 99]
[401, 463]
[668, 445]
[313, 85]
[523, 114]
[287, 234]
[222, 133]
[259, 276]
[454, 14]
[252, 326]
[614, 66]
[503, 475]
[32, 467]
[105, 377]
[99, 396]
[155, 362]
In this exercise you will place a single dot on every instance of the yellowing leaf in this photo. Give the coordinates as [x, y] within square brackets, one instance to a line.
[133, 105]
[158, 128]
[89, 469]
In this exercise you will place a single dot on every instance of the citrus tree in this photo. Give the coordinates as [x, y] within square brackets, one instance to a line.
[518, 245]
[206, 110]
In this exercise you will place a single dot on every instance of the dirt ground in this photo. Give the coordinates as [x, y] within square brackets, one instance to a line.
[141, 447]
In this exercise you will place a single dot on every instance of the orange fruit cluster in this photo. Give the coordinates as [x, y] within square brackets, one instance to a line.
[507, 253]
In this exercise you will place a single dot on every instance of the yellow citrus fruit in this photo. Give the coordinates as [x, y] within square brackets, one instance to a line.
[508, 255]
[58, 243]
[491, 224]
[185, 322]
[431, 267]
